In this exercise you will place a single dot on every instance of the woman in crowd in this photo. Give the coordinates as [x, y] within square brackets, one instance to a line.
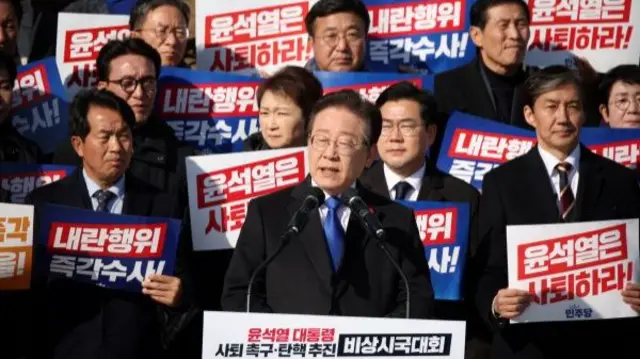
[285, 101]
[620, 97]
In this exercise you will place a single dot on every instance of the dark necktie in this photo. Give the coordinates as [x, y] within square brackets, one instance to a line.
[402, 189]
[103, 197]
[334, 232]
[567, 199]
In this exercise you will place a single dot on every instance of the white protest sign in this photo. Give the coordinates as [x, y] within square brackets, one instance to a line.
[228, 334]
[576, 271]
[16, 246]
[221, 185]
[80, 39]
[245, 35]
[605, 32]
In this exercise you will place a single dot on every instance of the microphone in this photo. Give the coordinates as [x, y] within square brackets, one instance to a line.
[374, 227]
[299, 219]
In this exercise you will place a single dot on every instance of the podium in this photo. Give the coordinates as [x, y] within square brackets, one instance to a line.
[261, 335]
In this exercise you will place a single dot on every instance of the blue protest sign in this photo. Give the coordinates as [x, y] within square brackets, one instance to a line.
[40, 104]
[431, 36]
[369, 85]
[620, 145]
[472, 146]
[444, 231]
[20, 179]
[212, 111]
[108, 250]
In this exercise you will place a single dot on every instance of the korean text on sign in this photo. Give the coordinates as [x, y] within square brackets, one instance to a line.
[372, 91]
[21, 184]
[84, 45]
[226, 192]
[16, 240]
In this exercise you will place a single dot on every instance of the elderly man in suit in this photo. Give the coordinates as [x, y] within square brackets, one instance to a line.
[558, 181]
[82, 320]
[333, 267]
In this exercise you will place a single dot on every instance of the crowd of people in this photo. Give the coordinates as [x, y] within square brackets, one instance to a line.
[130, 162]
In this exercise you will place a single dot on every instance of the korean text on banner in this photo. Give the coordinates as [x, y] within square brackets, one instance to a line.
[40, 104]
[80, 39]
[431, 36]
[444, 231]
[108, 250]
[212, 111]
[16, 244]
[472, 146]
[605, 32]
[20, 179]
[369, 85]
[242, 335]
[575, 271]
[221, 186]
[620, 145]
[248, 35]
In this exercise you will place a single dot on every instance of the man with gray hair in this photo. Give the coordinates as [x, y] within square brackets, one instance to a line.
[557, 181]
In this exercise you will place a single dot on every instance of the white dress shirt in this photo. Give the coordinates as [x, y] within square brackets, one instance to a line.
[343, 212]
[550, 163]
[415, 180]
[113, 206]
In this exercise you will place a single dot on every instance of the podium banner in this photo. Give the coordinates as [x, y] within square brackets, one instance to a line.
[246, 335]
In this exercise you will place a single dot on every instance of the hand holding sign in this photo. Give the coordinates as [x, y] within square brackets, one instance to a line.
[631, 296]
[163, 289]
[510, 303]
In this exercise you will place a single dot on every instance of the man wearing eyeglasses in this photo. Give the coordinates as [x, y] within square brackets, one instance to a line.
[405, 173]
[620, 97]
[333, 266]
[163, 24]
[338, 34]
[130, 68]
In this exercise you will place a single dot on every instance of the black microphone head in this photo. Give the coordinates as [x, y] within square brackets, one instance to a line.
[316, 193]
[348, 195]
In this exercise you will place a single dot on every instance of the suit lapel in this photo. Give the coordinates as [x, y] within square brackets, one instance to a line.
[137, 202]
[484, 99]
[539, 190]
[431, 185]
[312, 236]
[376, 180]
[78, 194]
[589, 183]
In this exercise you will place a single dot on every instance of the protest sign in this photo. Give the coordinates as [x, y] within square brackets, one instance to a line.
[620, 145]
[221, 186]
[80, 39]
[40, 104]
[214, 112]
[444, 231]
[575, 271]
[20, 179]
[604, 32]
[108, 250]
[16, 246]
[369, 85]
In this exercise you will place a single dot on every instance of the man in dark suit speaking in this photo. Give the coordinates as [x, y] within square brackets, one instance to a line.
[333, 266]
[76, 320]
[557, 181]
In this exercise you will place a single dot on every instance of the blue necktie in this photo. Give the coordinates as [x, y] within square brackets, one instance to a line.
[333, 232]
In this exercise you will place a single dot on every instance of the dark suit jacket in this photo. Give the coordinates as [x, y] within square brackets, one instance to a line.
[76, 320]
[300, 280]
[520, 192]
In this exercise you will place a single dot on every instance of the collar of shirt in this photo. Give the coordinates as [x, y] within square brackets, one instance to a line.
[415, 180]
[550, 161]
[92, 187]
[343, 212]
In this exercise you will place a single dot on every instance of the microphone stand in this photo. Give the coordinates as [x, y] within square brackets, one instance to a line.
[381, 239]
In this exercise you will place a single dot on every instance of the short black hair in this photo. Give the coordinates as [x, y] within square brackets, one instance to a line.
[8, 64]
[296, 83]
[479, 10]
[82, 102]
[329, 7]
[405, 90]
[550, 79]
[353, 102]
[130, 46]
[628, 74]
[142, 8]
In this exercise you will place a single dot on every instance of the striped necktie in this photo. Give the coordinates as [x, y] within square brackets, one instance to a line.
[567, 199]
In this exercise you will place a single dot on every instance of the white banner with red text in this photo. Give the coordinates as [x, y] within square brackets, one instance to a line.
[575, 271]
[247, 335]
[16, 246]
[221, 186]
